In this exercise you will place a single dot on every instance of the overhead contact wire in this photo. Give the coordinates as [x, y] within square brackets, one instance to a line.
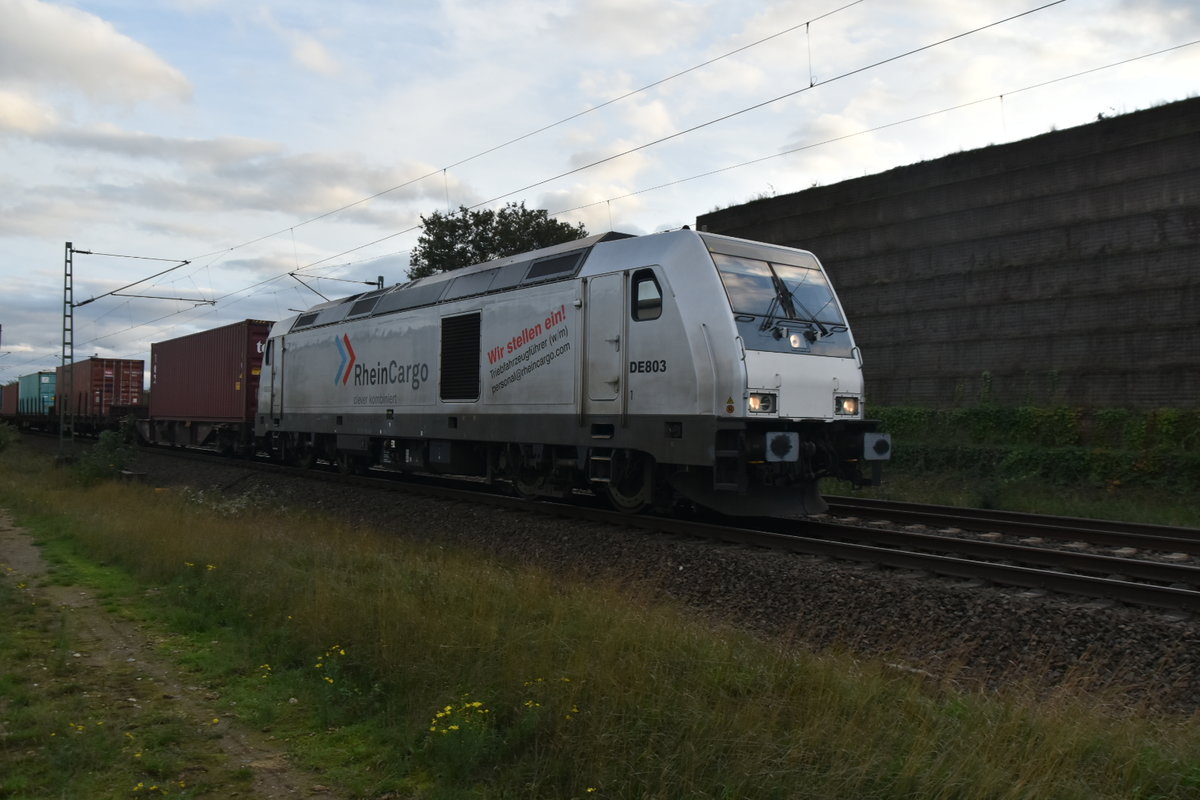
[877, 128]
[532, 133]
[765, 103]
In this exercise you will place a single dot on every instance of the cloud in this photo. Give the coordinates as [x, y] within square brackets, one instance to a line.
[312, 55]
[306, 50]
[111, 139]
[223, 176]
[587, 203]
[48, 46]
[632, 28]
[21, 114]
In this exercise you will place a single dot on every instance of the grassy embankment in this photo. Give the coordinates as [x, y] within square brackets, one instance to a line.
[434, 674]
[1142, 466]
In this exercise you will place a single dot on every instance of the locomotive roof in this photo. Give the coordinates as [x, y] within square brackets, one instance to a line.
[557, 262]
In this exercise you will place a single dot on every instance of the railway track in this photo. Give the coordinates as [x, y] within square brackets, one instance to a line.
[1146, 565]
[1104, 533]
[1118, 578]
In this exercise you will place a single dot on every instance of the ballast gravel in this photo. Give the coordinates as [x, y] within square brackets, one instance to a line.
[953, 630]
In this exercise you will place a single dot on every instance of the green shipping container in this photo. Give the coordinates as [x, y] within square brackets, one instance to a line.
[36, 394]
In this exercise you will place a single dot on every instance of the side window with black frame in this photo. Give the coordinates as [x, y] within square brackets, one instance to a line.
[646, 295]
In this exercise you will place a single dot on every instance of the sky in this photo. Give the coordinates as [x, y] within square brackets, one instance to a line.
[253, 139]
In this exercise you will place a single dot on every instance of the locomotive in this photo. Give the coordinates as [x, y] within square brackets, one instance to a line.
[677, 367]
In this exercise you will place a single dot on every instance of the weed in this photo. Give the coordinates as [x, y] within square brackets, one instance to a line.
[8, 435]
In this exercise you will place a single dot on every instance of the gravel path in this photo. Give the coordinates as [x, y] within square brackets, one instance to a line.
[136, 674]
[945, 627]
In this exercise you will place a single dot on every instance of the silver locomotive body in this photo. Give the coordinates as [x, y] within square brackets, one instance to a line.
[654, 369]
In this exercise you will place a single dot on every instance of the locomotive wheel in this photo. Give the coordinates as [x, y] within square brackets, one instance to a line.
[300, 454]
[529, 486]
[632, 486]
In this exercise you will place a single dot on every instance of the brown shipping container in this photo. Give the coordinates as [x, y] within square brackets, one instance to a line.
[210, 376]
[98, 384]
[8, 399]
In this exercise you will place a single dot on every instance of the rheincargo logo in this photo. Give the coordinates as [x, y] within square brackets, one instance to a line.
[348, 359]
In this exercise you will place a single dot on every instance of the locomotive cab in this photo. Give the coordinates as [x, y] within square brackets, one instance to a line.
[763, 370]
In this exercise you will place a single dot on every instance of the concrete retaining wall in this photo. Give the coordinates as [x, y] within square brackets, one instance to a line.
[1059, 269]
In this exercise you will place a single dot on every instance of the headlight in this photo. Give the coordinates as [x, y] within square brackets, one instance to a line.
[845, 405]
[762, 404]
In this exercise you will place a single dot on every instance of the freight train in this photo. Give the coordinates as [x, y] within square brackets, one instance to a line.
[678, 367]
[94, 393]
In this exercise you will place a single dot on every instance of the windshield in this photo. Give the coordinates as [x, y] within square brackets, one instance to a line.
[780, 291]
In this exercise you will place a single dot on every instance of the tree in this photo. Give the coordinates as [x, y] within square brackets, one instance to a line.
[465, 237]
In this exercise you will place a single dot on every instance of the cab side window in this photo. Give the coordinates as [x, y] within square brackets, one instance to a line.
[646, 296]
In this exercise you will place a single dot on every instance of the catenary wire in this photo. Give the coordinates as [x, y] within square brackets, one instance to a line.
[693, 128]
[682, 180]
[530, 134]
[763, 104]
[694, 177]
[875, 129]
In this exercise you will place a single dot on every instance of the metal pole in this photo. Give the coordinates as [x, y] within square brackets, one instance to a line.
[66, 419]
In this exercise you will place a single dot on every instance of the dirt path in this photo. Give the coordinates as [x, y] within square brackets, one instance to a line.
[139, 675]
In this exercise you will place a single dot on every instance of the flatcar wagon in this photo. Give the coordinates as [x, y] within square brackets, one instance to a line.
[674, 367]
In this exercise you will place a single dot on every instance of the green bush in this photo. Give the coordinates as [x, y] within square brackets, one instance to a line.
[105, 460]
[1061, 446]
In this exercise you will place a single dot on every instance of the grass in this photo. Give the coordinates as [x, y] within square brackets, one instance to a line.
[403, 670]
[62, 736]
[1111, 502]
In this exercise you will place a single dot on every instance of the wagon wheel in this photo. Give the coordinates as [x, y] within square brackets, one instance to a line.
[632, 486]
[351, 463]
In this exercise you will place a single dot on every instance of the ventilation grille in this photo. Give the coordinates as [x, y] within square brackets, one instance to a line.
[460, 357]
